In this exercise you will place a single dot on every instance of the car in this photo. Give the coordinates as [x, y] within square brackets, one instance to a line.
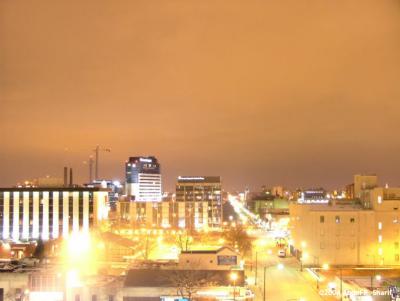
[282, 253]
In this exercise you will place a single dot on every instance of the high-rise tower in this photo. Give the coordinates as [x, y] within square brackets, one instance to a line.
[143, 179]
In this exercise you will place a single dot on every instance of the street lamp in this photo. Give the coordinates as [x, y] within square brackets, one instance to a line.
[303, 257]
[326, 267]
[378, 278]
[234, 277]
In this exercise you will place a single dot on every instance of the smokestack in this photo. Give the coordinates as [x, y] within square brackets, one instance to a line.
[65, 176]
[71, 179]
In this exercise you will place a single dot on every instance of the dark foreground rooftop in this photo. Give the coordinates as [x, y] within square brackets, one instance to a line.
[170, 278]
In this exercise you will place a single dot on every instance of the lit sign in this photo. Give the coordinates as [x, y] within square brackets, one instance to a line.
[303, 200]
[227, 260]
[145, 160]
[190, 178]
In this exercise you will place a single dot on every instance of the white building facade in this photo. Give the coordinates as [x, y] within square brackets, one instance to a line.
[48, 213]
[143, 179]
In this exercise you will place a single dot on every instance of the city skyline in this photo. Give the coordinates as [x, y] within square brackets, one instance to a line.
[188, 150]
[263, 93]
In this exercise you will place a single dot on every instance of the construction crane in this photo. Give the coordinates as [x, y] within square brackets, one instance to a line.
[90, 164]
[97, 150]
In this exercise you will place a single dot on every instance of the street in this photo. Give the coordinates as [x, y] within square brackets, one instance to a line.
[282, 282]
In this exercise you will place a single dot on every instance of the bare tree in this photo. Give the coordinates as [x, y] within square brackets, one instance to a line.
[184, 241]
[147, 247]
[187, 282]
[238, 238]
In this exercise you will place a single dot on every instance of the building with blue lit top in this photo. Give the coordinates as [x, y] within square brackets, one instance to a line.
[143, 179]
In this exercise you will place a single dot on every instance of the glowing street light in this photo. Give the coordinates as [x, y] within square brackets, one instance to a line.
[325, 266]
[234, 277]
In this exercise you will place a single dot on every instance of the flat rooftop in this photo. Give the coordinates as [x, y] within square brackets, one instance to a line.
[62, 188]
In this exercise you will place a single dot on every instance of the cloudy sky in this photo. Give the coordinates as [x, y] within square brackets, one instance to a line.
[299, 93]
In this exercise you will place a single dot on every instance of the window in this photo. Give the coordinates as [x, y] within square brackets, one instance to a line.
[322, 219]
[77, 298]
[397, 257]
[322, 245]
[94, 297]
[352, 220]
[396, 245]
[337, 219]
[379, 226]
[110, 298]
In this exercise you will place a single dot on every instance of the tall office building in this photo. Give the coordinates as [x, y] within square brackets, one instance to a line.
[32, 213]
[143, 179]
[194, 191]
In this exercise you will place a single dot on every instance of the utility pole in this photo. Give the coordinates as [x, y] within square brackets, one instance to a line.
[97, 150]
[255, 278]
[341, 284]
[265, 275]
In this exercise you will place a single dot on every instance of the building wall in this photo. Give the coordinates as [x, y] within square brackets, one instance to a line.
[210, 261]
[168, 214]
[342, 235]
[364, 182]
[143, 179]
[30, 214]
[12, 283]
[202, 189]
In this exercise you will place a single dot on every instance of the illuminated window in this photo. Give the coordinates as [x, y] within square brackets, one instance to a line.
[337, 219]
[380, 226]
[380, 238]
[379, 199]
